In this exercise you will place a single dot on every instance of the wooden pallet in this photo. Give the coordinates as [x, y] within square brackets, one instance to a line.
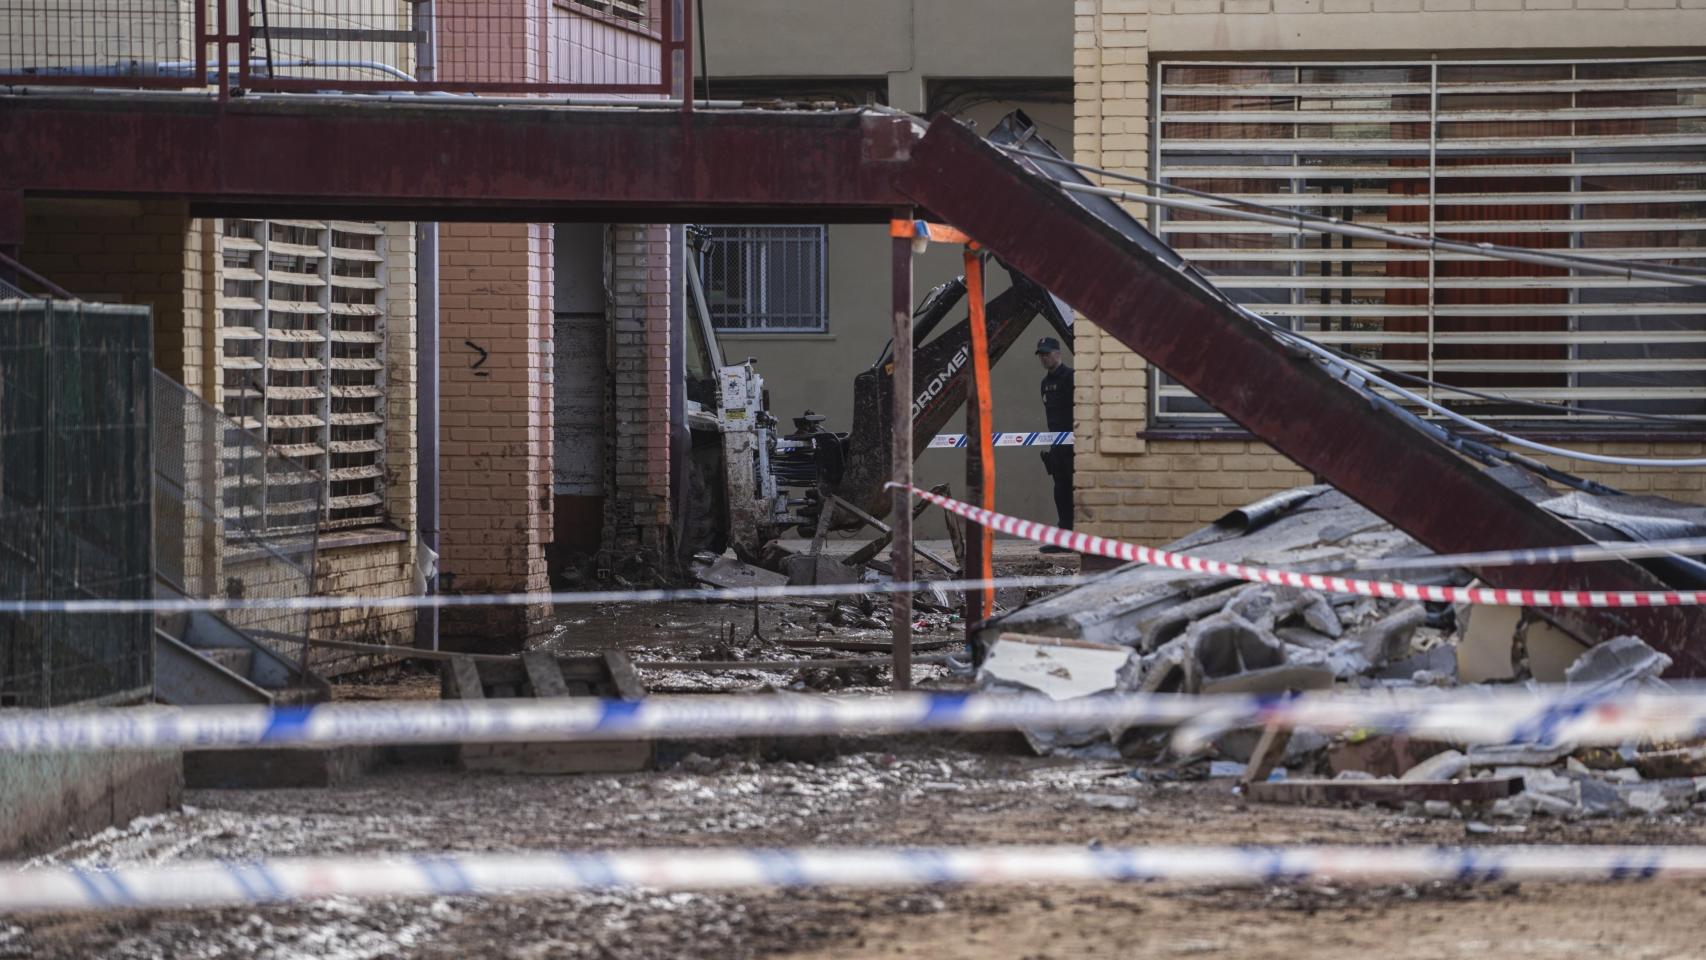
[542, 674]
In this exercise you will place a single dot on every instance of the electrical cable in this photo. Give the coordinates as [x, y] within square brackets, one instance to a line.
[1313, 347]
[1479, 249]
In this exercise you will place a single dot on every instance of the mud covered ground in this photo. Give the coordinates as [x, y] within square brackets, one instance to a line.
[945, 790]
[911, 795]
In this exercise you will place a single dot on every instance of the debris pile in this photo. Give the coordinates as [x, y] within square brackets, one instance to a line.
[1145, 628]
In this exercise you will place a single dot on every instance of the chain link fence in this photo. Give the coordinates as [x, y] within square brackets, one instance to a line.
[75, 503]
[214, 536]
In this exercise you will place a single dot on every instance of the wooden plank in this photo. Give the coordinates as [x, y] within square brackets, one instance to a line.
[1267, 755]
[581, 756]
[465, 674]
[629, 686]
[544, 674]
[1323, 792]
[408, 653]
[876, 646]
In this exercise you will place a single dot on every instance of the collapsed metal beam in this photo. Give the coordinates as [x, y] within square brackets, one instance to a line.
[1091, 253]
[455, 161]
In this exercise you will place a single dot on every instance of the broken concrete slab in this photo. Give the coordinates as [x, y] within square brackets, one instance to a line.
[1391, 792]
[1518, 754]
[1228, 643]
[1383, 756]
[1143, 606]
[1439, 661]
[1285, 678]
[1486, 636]
[1445, 765]
[1618, 661]
[1550, 651]
[1059, 669]
[730, 574]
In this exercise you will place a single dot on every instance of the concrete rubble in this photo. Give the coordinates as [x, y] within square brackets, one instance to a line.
[1147, 628]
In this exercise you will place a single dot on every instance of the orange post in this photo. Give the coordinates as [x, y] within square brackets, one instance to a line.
[985, 420]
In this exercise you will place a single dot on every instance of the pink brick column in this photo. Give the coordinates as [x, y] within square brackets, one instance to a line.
[495, 378]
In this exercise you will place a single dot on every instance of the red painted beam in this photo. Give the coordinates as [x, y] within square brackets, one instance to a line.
[470, 162]
[1284, 398]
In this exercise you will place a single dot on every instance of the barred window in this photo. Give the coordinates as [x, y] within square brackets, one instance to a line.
[303, 316]
[1602, 158]
[764, 279]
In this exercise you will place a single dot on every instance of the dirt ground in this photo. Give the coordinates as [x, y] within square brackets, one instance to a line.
[915, 795]
[914, 791]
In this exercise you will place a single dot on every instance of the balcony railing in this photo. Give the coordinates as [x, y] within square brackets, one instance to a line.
[629, 48]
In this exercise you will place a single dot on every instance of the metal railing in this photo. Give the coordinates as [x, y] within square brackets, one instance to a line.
[213, 538]
[638, 48]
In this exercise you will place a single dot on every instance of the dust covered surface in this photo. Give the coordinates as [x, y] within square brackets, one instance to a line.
[916, 796]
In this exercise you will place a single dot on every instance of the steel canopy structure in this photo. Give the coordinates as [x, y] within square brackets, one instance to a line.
[412, 157]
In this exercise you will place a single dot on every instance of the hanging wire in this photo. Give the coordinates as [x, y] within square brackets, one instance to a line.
[1331, 225]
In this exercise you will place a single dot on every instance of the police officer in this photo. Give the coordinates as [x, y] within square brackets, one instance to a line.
[1057, 410]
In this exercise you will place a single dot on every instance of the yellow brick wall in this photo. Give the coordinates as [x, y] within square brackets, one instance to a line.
[1157, 489]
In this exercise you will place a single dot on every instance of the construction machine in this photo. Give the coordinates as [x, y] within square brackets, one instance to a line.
[747, 486]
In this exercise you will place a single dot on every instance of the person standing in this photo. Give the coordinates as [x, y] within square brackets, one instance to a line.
[1057, 411]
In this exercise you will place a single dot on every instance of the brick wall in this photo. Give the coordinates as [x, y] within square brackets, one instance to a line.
[495, 452]
[1154, 490]
[637, 516]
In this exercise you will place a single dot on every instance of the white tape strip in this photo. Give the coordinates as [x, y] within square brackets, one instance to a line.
[958, 440]
[583, 598]
[1512, 715]
[1393, 590]
[210, 882]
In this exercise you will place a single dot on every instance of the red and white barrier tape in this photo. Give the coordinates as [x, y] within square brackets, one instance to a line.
[1393, 590]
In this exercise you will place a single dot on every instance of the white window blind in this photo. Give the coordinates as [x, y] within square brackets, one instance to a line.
[303, 315]
[1603, 158]
[765, 279]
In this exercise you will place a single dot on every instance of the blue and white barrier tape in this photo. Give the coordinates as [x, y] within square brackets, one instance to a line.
[1033, 439]
[213, 882]
[578, 598]
[1469, 716]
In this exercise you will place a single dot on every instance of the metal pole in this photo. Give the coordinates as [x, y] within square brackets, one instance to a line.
[980, 452]
[426, 364]
[900, 452]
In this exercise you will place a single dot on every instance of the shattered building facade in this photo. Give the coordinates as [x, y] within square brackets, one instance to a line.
[1557, 124]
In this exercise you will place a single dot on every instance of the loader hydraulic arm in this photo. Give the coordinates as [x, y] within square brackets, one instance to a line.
[941, 372]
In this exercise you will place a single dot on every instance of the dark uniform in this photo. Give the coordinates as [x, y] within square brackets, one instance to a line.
[1057, 409]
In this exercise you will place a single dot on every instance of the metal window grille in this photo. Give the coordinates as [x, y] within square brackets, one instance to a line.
[1597, 157]
[303, 314]
[765, 279]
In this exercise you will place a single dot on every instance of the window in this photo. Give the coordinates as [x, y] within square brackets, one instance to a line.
[1603, 158]
[764, 279]
[303, 316]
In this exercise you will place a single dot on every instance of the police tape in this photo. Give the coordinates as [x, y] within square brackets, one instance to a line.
[825, 591]
[1582, 716]
[219, 882]
[1389, 589]
[1033, 439]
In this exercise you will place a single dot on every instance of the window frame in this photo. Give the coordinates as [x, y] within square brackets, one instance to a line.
[760, 324]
